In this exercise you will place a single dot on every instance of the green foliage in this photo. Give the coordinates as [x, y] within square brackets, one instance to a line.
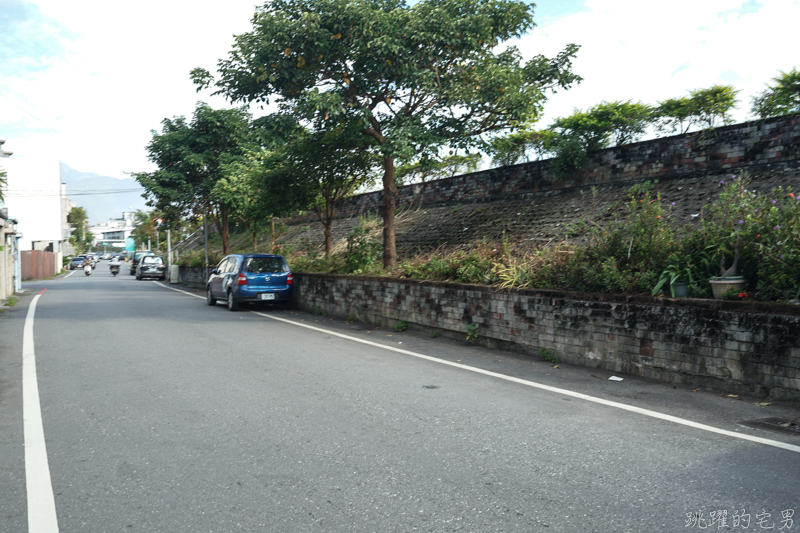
[735, 294]
[570, 156]
[401, 80]
[192, 159]
[607, 123]
[81, 238]
[401, 326]
[703, 108]
[351, 317]
[678, 269]
[520, 146]
[427, 168]
[363, 250]
[11, 301]
[782, 97]
[435, 333]
[547, 356]
[474, 266]
[326, 167]
[3, 183]
[472, 333]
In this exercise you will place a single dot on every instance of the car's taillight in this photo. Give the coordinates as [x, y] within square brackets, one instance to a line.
[289, 279]
[242, 279]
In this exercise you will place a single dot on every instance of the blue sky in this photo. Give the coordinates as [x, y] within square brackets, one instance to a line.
[86, 81]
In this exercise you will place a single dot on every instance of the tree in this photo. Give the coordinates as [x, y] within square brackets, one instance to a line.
[324, 169]
[426, 168]
[81, 237]
[780, 98]
[3, 183]
[191, 158]
[402, 80]
[144, 229]
[516, 147]
[607, 123]
[703, 108]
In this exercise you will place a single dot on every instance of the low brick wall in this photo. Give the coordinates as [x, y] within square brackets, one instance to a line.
[194, 277]
[731, 346]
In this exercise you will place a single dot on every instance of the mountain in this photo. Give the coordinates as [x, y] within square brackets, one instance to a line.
[103, 197]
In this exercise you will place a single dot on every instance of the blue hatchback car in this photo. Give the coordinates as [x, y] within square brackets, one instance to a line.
[257, 278]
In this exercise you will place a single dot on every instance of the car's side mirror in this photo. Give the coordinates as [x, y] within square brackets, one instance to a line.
[214, 271]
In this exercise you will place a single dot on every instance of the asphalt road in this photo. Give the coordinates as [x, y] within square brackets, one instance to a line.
[161, 414]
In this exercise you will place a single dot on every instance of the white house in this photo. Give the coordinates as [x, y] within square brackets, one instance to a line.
[37, 199]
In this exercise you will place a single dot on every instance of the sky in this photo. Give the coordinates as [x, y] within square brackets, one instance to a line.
[86, 81]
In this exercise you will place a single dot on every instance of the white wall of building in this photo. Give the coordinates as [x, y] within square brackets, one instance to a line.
[35, 197]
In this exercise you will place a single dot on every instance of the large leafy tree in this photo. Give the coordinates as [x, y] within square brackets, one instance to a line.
[403, 80]
[191, 159]
[782, 97]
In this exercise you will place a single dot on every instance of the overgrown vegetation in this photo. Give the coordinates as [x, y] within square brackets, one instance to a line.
[640, 250]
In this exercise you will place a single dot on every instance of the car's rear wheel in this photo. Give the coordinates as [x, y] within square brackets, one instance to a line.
[233, 305]
[210, 300]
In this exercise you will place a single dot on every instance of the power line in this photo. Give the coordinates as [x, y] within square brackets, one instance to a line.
[21, 193]
[38, 119]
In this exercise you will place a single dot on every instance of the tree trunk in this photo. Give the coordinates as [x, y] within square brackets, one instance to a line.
[389, 207]
[272, 234]
[255, 238]
[224, 231]
[327, 222]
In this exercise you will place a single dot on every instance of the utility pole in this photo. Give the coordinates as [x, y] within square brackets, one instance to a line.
[205, 236]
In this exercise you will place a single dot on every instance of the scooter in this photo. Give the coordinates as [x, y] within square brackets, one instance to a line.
[114, 268]
[87, 270]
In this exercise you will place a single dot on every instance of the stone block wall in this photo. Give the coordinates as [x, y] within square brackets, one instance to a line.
[194, 277]
[736, 347]
[763, 145]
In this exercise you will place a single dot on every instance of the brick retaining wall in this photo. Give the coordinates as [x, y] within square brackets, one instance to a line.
[762, 145]
[732, 346]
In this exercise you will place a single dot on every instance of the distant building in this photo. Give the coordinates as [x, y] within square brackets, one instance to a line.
[112, 234]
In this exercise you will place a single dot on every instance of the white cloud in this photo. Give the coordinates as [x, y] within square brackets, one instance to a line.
[651, 51]
[127, 69]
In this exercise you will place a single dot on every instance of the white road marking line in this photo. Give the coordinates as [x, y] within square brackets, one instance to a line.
[68, 275]
[41, 503]
[594, 399]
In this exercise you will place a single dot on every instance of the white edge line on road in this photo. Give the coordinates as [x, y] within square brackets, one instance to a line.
[68, 275]
[609, 403]
[41, 503]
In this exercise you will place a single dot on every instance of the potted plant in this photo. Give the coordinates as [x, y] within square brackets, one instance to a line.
[677, 273]
[727, 279]
[730, 213]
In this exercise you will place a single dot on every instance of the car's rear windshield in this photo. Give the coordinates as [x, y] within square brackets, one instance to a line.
[263, 265]
[150, 259]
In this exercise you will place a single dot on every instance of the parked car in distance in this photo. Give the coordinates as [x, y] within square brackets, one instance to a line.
[254, 278]
[151, 266]
[76, 262]
[136, 256]
[107, 256]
